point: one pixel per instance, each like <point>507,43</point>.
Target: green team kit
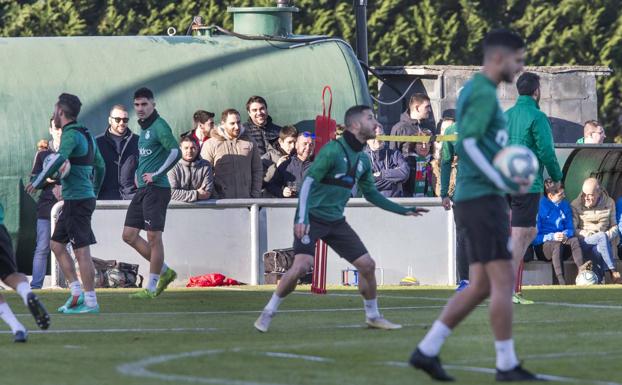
<point>325,192</point>
<point>159,152</point>
<point>80,186</point>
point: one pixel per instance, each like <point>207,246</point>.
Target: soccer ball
<point>586,278</point>
<point>62,172</point>
<point>517,163</point>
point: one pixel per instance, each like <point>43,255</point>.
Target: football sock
<point>164,268</point>
<point>433,341</point>
<point>371,308</point>
<point>273,304</point>
<point>7,316</point>
<point>75,288</point>
<point>90,299</point>
<point>23,289</point>
<point>153,282</point>
<point>506,356</point>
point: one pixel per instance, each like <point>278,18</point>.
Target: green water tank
<point>603,162</point>
<point>212,72</point>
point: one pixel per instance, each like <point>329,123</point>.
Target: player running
<point>18,282</point>
<point>325,191</point>
<point>482,212</point>
<point>159,152</point>
<point>80,190</point>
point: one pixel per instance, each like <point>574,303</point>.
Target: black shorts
<point>7,256</point>
<point>525,209</point>
<point>485,223</point>
<point>147,210</point>
<point>74,223</point>
<point>338,235</point>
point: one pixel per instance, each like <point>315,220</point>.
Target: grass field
<point>206,337</point>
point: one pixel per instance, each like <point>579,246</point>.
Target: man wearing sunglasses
<point>119,147</point>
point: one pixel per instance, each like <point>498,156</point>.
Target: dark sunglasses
<point>307,134</point>
<point>118,120</point>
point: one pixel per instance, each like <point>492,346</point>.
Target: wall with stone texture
<point>568,94</point>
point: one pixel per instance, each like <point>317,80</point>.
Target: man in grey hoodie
<point>411,122</point>
<point>192,178</point>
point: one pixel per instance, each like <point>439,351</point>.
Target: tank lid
<point>263,21</point>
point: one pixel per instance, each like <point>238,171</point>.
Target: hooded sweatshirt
<point>238,172</point>
<point>406,126</point>
<point>187,177</point>
<point>393,171</point>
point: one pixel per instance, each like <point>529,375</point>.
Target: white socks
<point>153,282</point>
<point>274,303</point>
<point>90,299</point>
<point>371,308</point>
<point>164,268</point>
<point>506,356</point>
<point>23,289</point>
<point>433,341</point>
<point>75,288</point>
<point>7,316</point>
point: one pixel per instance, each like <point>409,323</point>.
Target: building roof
<point>422,70</point>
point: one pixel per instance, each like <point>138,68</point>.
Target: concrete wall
<point>568,94</point>
<point>218,237</point>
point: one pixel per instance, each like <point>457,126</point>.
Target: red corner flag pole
<point>325,129</point>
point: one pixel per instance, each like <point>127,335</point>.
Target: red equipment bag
<point>325,127</point>
<point>211,280</point>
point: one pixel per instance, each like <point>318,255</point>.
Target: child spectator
<point>422,181</point>
<point>556,229</point>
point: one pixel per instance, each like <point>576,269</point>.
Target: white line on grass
<point>475,369</point>
<point>140,368</point>
<point>548,356</point>
<point>131,330</point>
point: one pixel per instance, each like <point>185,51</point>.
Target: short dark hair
<point>418,99</point>
<point>188,138</point>
<point>288,132</point>
<point>528,83</point>
<point>227,112</point>
<point>143,92</point>
<point>201,116</point>
<point>70,105</point>
<point>503,38</point>
<point>255,99</point>
<point>550,187</point>
<point>352,112</point>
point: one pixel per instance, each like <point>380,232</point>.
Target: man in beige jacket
<point>238,172</point>
<point>594,217</point>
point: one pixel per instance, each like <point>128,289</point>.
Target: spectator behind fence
<point>411,120</point>
<point>594,218</point>
<point>339,129</point>
<point>259,126</point>
<point>234,155</point>
<point>388,166</point>
<point>119,147</point>
<point>203,124</point>
<point>593,133</point>
<point>289,175</point>
<point>556,230</point>
<point>421,182</point>
<point>50,194</point>
<point>444,129</point>
<point>192,178</point>
<point>279,151</point>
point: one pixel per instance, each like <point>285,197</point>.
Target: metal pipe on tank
<point>282,3</point>
<point>360,11</point>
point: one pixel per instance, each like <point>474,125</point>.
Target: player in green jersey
<point>80,188</point>
<point>481,210</point>
<point>325,191</point>
<point>159,152</point>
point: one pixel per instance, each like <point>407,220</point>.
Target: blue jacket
<point>553,218</point>
<point>619,215</point>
